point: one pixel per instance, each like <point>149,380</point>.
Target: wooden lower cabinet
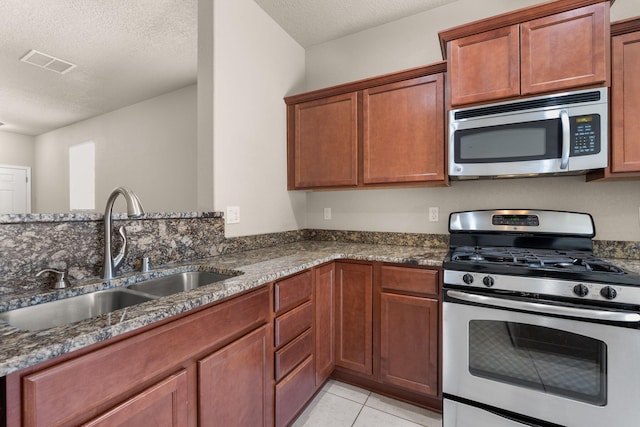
<point>354,317</point>
<point>294,392</point>
<point>388,330</point>
<point>324,322</point>
<point>154,372</point>
<point>234,386</point>
<point>164,404</point>
<point>294,372</point>
<point>408,342</point>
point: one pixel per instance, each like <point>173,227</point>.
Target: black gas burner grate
<point>578,261</point>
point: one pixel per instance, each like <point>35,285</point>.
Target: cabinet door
<point>625,107</point>
<point>324,322</point>
<point>326,142</point>
<point>234,383</point>
<point>485,66</point>
<point>354,312</point>
<point>409,342</point>
<point>565,50</point>
<point>164,404</point>
<point>403,132</point>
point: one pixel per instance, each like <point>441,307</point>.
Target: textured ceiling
<point>127,51</point>
<point>311,22</point>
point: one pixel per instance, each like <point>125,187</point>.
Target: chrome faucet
<point>134,210</point>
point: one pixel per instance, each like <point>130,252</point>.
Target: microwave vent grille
<point>573,98</point>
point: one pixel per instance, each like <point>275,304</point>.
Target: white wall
<point>150,147</point>
<point>413,42</point>
<point>255,64</point>
<point>16,149</point>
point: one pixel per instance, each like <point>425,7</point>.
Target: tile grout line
<point>359,412</point>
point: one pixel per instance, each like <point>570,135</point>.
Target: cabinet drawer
<point>101,377</point>
<point>294,391</point>
<point>292,291</point>
<point>406,279</point>
<point>289,356</point>
<point>291,324</point>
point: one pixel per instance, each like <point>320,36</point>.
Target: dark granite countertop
<point>20,349</point>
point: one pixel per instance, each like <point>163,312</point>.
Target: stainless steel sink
<point>70,310</point>
<point>178,282</point>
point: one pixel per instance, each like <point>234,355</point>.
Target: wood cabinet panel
<point>414,280</point>
<point>234,383</point>
<point>485,66</point>
<point>289,356</point>
<point>354,317</point>
<point>292,291</point>
<point>325,139</point>
<point>565,50</point>
<point>409,342</point>
<point>164,404</point>
<point>403,131</point>
<point>293,393</point>
<point>324,302</point>
<point>148,355</point>
<point>625,103</point>
<point>293,323</point>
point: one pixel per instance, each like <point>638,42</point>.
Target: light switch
<point>327,213</point>
<point>433,214</point>
<point>233,214</point>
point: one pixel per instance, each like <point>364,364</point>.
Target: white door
<point>15,189</point>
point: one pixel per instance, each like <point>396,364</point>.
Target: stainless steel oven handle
<point>566,138</point>
<point>584,313</point>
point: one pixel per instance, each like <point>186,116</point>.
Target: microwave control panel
<point>585,135</point>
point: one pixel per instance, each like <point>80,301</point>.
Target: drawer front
<point>291,292</point>
<point>100,377</point>
<point>294,391</point>
<point>291,324</point>
<point>417,280</point>
<point>289,356</point>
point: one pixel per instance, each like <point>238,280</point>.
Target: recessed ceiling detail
<point>48,62</point>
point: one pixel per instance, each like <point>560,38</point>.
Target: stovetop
<point>550,259</point>
<point>533,251</point>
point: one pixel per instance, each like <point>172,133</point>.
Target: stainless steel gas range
<point>537,331</point>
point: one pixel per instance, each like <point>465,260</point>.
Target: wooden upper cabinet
<point>326,142</point>
<point>625,102</point>
<point>403,137</point>
<point>565,50</point>
<point>485,66</point>
<point>382,131</point>
<point>549,47</point>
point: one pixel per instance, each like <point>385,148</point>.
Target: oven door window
<point>536,140</point>
<point>549,360</point>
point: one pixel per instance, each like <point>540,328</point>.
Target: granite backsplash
<point>74,242</point>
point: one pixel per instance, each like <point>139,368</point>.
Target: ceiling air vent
<point>49,62</point>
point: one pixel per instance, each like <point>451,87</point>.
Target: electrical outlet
<point>327,213</point>
<point>233,214</point>
<point>433,214</point>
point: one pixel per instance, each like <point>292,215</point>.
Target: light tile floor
<point>343,405</point>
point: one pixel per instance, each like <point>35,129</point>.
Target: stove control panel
<point>543,286</point>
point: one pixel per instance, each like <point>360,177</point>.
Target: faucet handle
<point>61,277</point>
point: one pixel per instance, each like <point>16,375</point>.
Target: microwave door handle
<point>536,307</point>
<point>566,138</point>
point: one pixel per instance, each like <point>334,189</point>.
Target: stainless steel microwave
<point>564,133</point>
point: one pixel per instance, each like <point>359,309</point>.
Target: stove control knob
<point>467,278</point>
<point>488,281</point>
<point>608,292</point>
<point>580,290</point>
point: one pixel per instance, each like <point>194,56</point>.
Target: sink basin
<point>70,310</point>
<point>178,282</point>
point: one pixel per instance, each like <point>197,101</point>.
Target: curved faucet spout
<point>134,210</point>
